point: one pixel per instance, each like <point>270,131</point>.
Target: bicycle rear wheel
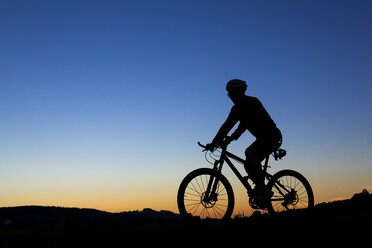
<point>291,191</point>
<point>193,202</point>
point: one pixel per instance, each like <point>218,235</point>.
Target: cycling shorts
<point>263,147</point>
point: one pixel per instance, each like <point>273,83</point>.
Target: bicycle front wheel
<point>291,191</point>
<point>193,201</point>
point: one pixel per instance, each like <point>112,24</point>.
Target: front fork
<point>211,192</point>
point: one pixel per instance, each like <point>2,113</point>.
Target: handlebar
<point>222,145</point>
<point>203,146</point>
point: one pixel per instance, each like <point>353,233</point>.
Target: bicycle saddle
<point>279,154</point>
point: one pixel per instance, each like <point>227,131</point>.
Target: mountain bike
<point>207,194</point>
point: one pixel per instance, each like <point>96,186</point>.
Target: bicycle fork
<point>211,192</point>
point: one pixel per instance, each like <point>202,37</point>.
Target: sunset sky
<point>102,102</point>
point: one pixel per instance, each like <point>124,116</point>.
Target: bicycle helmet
<point>236,84</point>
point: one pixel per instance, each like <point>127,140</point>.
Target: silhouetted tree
<point>362,202</point>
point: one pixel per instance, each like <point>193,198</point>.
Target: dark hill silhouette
<point>335,224</point>
<point>360,203</point>
<point>41,215</point>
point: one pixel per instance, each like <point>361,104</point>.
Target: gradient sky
<point>102,102</point>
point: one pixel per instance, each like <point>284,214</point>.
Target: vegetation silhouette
<point>359,203</point>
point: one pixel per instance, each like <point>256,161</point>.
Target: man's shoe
<point>261,191</point>
<point>262,195</point>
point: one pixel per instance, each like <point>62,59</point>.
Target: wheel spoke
<point>289,192</point>
<point>214,205</point>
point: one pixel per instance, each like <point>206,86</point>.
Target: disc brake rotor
<point>208,203</point>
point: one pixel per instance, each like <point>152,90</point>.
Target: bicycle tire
<point>291,191</point>
<point>190,195</point>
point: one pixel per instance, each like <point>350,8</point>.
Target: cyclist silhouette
<point>252,116</point>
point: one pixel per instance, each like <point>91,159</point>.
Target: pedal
<point>257,202</point>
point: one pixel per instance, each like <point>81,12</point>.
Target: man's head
<point>236,89</point>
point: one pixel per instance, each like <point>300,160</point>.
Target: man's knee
<point>251,164</point>
<point>253,168</point>
<point>252,161</point>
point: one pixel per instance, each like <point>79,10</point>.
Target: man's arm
<point>225,128</point>
<point>238,132</point>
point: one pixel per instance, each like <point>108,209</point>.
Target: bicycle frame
<point>283,191</point>
<point>225,155</point>
<point>207,193</point>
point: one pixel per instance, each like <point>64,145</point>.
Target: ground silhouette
<point>40,215</point>
<point>332,224</point>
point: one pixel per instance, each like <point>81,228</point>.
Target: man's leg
<point>253,164</point>
<point>254,169</point>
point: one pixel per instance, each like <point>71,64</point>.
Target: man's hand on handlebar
<point>211,147</point>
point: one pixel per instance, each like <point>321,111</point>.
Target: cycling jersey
<point>252,116</point>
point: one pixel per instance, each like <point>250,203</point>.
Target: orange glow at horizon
<point>156,197</point>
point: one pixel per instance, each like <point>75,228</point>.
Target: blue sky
<point>102,102</point>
